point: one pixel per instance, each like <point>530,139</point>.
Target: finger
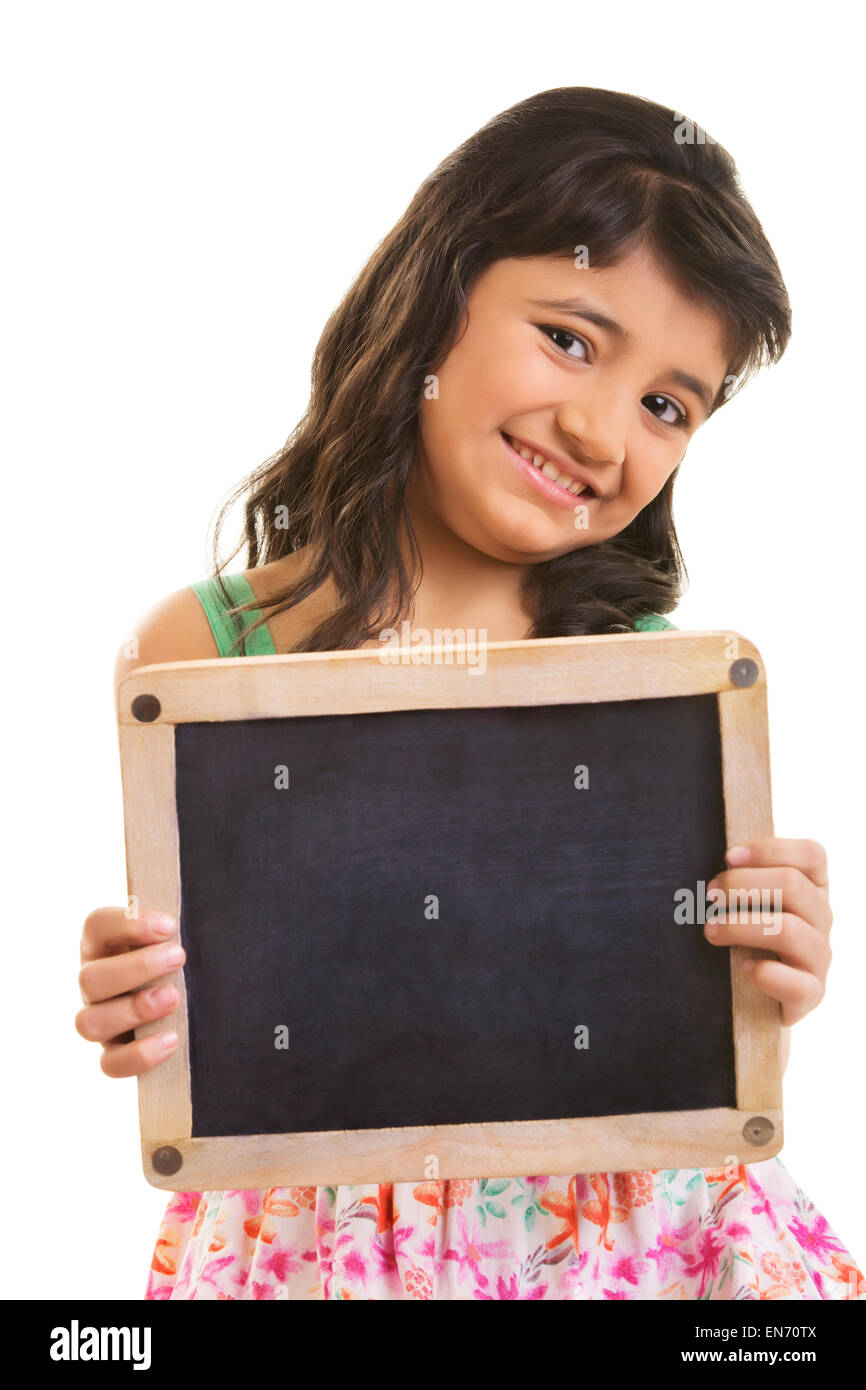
<point>102,979</point>
<point>107,1022</point>
<point>798,944</point>
<point>108,930</point>
<point>778,889</point>
<point>797,991</point>
<point>808,856</point>
<point>135,1058</point>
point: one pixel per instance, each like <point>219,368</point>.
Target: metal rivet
<point>166,1160</point>
<point>758,1130</point>
<point>146,708</point>
<point>744,671</point>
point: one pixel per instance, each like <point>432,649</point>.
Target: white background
<point>189,190</point>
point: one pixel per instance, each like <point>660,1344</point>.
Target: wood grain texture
<point>632,1143</point>
<point>749,816</point>
<point>153,877</point>
<point>633,666</point>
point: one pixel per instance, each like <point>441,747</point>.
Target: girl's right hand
<point>120,957</point>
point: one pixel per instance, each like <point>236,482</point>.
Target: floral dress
<point>738,1233</point>
<point>748,1233</point>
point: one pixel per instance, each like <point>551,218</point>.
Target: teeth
<point>549,469</point>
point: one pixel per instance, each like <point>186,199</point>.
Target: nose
<point>596,431</point>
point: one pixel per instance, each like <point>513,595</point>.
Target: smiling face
<point>611,408</point>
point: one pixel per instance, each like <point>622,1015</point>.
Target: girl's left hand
<point>798,932</point>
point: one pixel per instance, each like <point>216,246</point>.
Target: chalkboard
<point>457,920</point>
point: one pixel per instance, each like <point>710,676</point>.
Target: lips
<point>564,465</point>
<point>554,492</point>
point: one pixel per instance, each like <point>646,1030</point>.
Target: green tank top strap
<point>654,622</point>
<point>225,629</point>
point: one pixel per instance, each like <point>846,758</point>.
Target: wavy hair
<point>568,167</point>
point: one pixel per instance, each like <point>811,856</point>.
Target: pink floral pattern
<point>747,1233</point>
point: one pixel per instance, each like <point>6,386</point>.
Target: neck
<point>460,586</point>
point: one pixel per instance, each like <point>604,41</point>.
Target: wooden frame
<point>152,700</point>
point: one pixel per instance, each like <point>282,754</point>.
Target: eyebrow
<point>580,308</point>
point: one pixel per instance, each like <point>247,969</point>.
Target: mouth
<point>550,479</point>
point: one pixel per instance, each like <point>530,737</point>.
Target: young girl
<point>499,408</point>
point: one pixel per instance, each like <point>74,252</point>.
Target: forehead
<point>638,294</point>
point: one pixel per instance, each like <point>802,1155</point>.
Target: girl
<point>499,409</point>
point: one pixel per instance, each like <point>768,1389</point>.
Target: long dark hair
<point>568,167</point>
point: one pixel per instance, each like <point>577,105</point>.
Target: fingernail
<point>164,994</point>
<point>160,922</point>
<point>167,1041</point>
<point>171,955</point>
<point>738,854</point>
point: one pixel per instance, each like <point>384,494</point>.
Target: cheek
<point>648,472</point>
<point>488,379</point>
<point>524,381</point>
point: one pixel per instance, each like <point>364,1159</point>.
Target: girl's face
<point>609,393</point>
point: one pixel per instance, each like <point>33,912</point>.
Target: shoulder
<point>176,628</point>
<point>268,583</point>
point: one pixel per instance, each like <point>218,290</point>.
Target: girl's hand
<point>121,955</point>
<point>796,918</point>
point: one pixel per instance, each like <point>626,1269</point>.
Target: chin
<point>513,544</point>
<point>523,534</point>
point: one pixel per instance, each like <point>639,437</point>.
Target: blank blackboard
<point>431,922</point>
<point>304,906</point>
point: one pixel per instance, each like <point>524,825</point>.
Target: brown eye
<point>680,419</point>
<point>554,333</point>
